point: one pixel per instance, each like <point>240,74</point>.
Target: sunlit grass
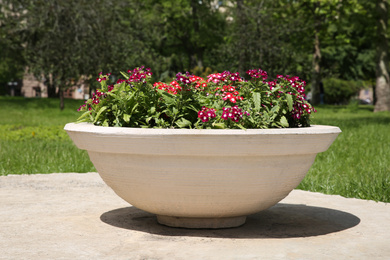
<point>357,163</point>
<point>42,156</point>
<point>36,112</point>
<point>32,139</point>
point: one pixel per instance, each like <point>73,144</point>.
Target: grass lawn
<point>32,140</point>
<point>357,164</point>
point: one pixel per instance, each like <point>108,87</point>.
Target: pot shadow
<point>280,221</point>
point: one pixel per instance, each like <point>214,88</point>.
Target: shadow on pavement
<point>280,221</point>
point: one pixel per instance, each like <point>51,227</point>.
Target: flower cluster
<point>139,74</point>
<point>223,77</point>
<point>199,82</point>
<point>96,96</point>
<point>171,88</point>
<point>258,73</point>
<point>188,101</point>
<point>234,113</point>
<point>206,114</point>
<point>183,77</point>
<point>102,77</point>
<point>230,93</point>
<point>83,107</point>
<point>299,108</point>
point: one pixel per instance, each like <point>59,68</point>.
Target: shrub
<point>338,91</point>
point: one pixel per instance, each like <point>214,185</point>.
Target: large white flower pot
<point>202,178</point>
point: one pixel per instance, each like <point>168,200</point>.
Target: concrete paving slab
<point>76,216</point>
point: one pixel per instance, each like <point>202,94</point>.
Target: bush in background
<point>338,91</point>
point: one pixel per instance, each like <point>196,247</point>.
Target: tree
<point>319,14</point>
<point>12,60</point>
<point>348,51</point>
<point>382,89</point>
<point>336,45</point>
<point>64,40</point>
<point>242,41</point>
<point>186,30</point>
<point>264,34</point>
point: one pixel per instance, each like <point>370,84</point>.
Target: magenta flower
<point>234,113</point>
<point>259,73</point>
<point>206,114</point>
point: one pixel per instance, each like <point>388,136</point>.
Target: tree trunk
<point>51,90</point>
<point>197,52</point>
<point>62,104</point>
<point>382,89</point>
<point>316,75</point>
<point>242,38</point>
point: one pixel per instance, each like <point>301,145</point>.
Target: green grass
<point>357,164</point>
<point>32,140</point>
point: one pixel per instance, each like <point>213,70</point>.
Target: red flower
<point>206,114</point>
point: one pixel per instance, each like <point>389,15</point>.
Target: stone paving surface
<point>76,216</point>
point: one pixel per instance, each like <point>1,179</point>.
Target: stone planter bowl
<point>202,178</point>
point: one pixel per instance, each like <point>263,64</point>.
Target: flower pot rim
<point>102,130</point>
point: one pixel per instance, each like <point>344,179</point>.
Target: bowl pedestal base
<point>184,222</point>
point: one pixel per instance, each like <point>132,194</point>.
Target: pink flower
<point>234,113</point>
<point>206,114</point>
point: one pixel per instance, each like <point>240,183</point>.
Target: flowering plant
<point>223,100</point>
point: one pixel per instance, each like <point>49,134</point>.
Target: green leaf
<point>284,122</point>
<point>193,108</point>
<point>152,110</point>
<point>240,126</point>
<point>125,75</point>
<point>275,109</point>
<point>275,89</point>
<point>81,118</point>
<point>257,100</point>
<point>175,110</point>
<point>126,118</point>
<point>99,113</point>
<point>219,125</point>
<point>147,120</point>
<point>289,102</point>
<point>168,98</point>
<point>183,123</point>
<point>134,107</point>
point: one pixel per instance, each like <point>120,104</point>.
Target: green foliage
<point>64,40</point>
<point>223,101</point>
<point>265,34</point>
<point>182,34</point>
<point>348,42</point>
<point>12,60</point>
<point>61,40</point>
<point>338,91</point>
